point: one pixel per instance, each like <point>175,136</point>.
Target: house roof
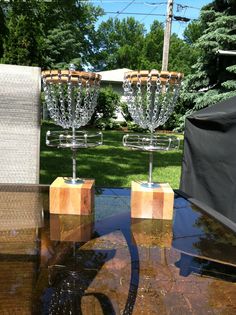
<point>116,75</point>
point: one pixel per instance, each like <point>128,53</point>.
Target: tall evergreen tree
<point>182,55</point>
<point>214,75</point>
<point>62,47</point>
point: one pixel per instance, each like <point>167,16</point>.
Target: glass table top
<point>108,263</point>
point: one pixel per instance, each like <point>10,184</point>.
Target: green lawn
<point>111,164</point>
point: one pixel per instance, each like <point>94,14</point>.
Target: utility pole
<point>166,45</point>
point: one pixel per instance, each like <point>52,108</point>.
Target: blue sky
<point>140,9</point>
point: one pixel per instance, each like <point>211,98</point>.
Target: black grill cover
<point>209,161</point>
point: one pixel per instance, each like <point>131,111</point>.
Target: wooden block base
<point>72,199</point>
<point>152,203</point>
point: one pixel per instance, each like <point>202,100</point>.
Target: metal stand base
<point>150,185</point>
<point>73,181</point>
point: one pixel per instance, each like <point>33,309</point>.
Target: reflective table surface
<point>109,263</point>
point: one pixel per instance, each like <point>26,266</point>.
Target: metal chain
<point>62,101</point>
<point>69,101</point>
<point>150,106</point>
<point>139,113</point>
<point>78,106</point>
<point>149,100</point>
<point>53,100</point>
<point>157,101</point>
<point>71,104</point>
<point>165,101</point>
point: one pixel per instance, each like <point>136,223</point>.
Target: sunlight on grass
<point>111,164</point>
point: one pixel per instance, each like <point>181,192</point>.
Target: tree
<point>21,44</point>
<point>48,33</point>
<point>71,36</point>
<point>107,104</point>
<point>152,48</point>
<point>119,44</point>
<point>61,48</point>
<point>192,32</point>
<point>2,30</point>
<point>127,44</point>
<point>105,112</point>
<point>214,75</point>
<point>182,56</point>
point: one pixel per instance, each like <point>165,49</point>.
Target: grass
<point>111,164</point>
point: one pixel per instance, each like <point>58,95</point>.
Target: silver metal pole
<point>73,68</point>
<point>74,165</point>
<point>73,156</point>
<point>150,169</point>
<point>150,163</point>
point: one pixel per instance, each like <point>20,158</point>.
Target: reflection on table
<point>109,263</point>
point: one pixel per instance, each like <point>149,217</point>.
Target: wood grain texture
<point>72,199</point>
<point>143,76</point>
<point>152,203</point>
<point>74,77</point>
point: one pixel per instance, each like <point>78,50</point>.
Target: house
<point>114,79</point>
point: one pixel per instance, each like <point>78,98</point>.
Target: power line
<point>184,6</point>
<point>134,13</point>
<point>147,14</point>
<point>117,1</point>
<point>179,5</point>
<point>129,4</point>
<point>154,3</point>
<point>184,19</point>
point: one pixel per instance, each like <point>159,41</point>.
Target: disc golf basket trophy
<point>71,97</point>
<point>151,97</point>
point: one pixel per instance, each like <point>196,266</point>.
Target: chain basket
<point>151,97</point>
<point>71,98</point>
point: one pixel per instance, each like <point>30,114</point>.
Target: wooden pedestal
<point>152,203</point>
<point>72,199</point>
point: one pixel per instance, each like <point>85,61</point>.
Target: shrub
<point>125,111</point>
<point>134,127</point>
<point>107,103</point>
<point>107,124</point>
